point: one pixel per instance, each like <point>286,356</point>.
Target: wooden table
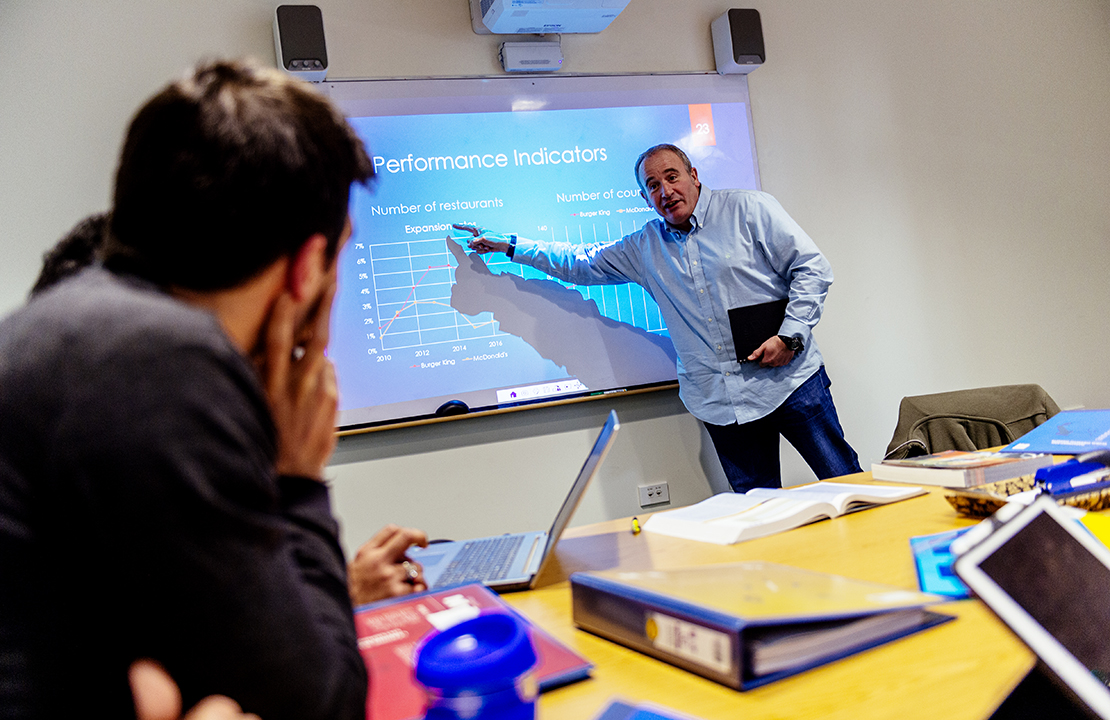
<point>962,669</point>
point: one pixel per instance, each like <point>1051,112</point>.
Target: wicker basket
<point>984,500</point>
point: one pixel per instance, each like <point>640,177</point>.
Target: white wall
<point>951,158</point>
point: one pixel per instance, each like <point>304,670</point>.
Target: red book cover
<point>389,631</point>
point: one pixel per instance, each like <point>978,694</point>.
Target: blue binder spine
<point>694,638</point>
<point>702,640</point>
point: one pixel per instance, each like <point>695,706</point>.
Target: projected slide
<point>419,320</point>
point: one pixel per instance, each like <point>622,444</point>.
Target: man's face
<point>669,188</point>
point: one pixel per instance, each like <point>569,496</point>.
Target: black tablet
<point>1048,579</point>
<point>753,325</point>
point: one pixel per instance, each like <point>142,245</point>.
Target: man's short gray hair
<point>655,150</point>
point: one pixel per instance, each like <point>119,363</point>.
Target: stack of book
<point>959,468</point>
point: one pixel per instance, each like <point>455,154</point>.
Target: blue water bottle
<point>481,669</point>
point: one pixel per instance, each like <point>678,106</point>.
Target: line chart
<point>413,280</point>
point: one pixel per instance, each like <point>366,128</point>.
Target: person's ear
<point>308,268</point>
<point>694,174</point>
<point>645,197</point>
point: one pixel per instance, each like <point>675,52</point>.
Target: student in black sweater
<point>165,420</point>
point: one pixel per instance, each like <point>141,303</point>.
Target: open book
<point>730,517</point>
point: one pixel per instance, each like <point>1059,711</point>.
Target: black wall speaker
<point>299,41</point>
<point>738,41</point>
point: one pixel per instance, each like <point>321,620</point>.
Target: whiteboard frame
<point>511,93</point>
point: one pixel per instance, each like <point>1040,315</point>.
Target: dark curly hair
<point>227,170</point>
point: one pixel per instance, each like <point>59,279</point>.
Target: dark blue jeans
<point>749,453</point>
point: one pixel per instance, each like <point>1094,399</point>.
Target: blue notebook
<point>932,554</point>
<point>1070,432</point>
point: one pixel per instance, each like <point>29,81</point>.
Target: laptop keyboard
<point>487,559</point>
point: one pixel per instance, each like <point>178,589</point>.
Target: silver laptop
<point>511,562</point>
<point>1048,579</point>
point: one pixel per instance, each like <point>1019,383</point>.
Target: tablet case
<point>754,325</point>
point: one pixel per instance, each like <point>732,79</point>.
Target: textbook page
<point>729,518</point>
<point>844,497</point>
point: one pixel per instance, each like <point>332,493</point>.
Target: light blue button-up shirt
<point>743,249</point>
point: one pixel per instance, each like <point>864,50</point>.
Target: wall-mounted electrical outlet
<point>654,494</point>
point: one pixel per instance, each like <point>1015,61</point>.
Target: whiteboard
<point>419,322</point>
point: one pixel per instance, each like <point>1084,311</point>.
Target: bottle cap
<point>482,655</point>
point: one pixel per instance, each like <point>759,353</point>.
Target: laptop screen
<point>570,504</point>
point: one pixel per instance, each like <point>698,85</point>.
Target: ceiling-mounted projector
<point>515,17</point>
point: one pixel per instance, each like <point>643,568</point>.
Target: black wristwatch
<point>794,344</point>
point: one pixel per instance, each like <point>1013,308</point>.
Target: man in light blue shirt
<point>712,252</point>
